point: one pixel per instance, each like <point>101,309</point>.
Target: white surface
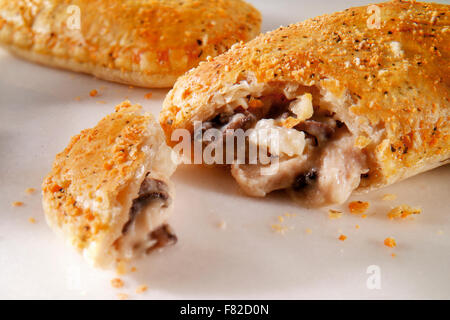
<point>38,115</point>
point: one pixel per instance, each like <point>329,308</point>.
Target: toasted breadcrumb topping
<point>117,283</point>
<point>17,204</point>
<point>390,242</point>
<point>403,211</point>
<point>357,207</point>
<point>141,289</point>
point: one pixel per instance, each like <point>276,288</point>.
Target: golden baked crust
<point>142,42</point>
<point>395,81</point>
<point>88,193</point>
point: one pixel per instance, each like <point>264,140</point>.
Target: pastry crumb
<point>390,242</point>
<point>357,226</point>
<point>30,190</point>
<point>308,231</point>
<point>133,269</point>
<point>142,288</point>
<point>121,268</point>
<point>364,216</point>
<point>290,215</point>
<point>148,96</point>
<point>278,228</point>
<point>101,102</point>
<point>342,237</point>
<point>117,283</point>
<point>280,218</point>
<point>17,204</point>
<point>440,232</point>
<point>122,296</point>
<point>389,197</point>
<point>393,255</point>
<point>77,98</point>
<point>334,214</point>
<point>93,93</point>
<point>32,220</point>
<point>403,211</point>
<point>222,225</point>
<point>357,207</point>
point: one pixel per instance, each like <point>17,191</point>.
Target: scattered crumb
<point>280,218</point>
<point>148,95</point>
<point>357,226</point>
<point>77,98</point>
<point>390,242</point>
<point>334,214</point>
<point>133,269</point>
<point>142,288</point>
<point>93,93</point>
<point>121,268</point>
<point>290,215</point>
<point>403,212</point>
<point>440,232</point>
<point>101,102</point>
<point>357,207</point>
<point>117,283</point>
<point>32,220</point>
<point>342,237</point>
<point>122,296</point>
<point>222,225</point>
<point>130,87</point>
<point>308,231</point>
<point>30,190</point>
<point>279,228</point>
<point>17,204</point>
<point>389,197</point>
<point>364,216</point>
<point>393,255</point>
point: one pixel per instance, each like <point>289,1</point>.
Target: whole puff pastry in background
<point>146,43</point>
<point>109,192</point>
<point>358,106</point>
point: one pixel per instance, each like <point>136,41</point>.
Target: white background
<point>39,114</point>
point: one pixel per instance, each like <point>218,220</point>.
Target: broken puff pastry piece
<point>109,192</point>
<point>356,106</point>
<point>146,43</point>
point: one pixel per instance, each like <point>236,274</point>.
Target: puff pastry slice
<point>146,43</point>
<point>109,192</point>
<point>357,106</point>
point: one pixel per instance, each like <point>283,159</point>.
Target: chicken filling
<point>316,157</point>
<point>146,230</point>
